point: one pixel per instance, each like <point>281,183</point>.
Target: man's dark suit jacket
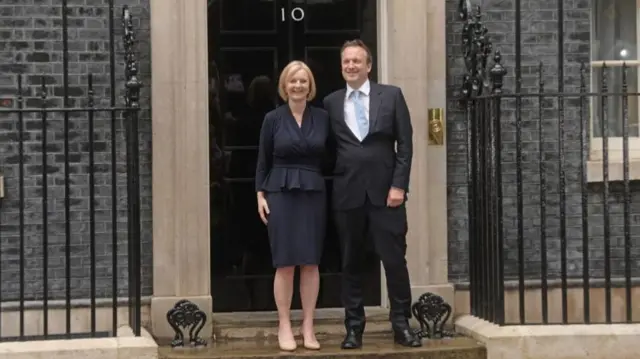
<point>382,160</point>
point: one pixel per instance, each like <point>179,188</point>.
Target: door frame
<point>180,166</point>
<point>382,21</point>
<point>180,169</point>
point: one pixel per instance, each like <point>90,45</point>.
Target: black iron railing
<point>61,160</point>
<point>548,186</point>
<point>132,97</point>
<point>558,226</point>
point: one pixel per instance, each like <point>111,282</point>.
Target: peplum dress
<point>289,172</point>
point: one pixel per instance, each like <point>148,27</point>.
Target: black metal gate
<point>70,180</point>
<point>545,210</point>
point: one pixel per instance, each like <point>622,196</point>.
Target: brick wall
<point>539,43</point>
<point>31,44</point>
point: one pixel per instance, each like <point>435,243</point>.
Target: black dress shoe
<point>353,340</point>
<point>407,338</point>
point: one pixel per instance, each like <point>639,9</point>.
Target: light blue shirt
<point>350,111</point>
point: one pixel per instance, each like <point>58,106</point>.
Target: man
<point>372,132</point>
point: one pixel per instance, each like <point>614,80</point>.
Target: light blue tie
<point>361,115</point>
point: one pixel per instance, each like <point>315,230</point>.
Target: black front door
<point>250,42</point>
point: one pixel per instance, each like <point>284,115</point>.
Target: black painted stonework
<point>539,43</point>
<point>31,43</point>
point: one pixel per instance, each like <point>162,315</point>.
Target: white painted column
<point>181,231</point>
<point>413,57</point>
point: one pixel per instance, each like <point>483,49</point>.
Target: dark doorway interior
<point>250,42</point>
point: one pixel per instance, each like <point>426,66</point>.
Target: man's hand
<point>395,197</point>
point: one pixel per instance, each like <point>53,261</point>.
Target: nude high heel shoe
<point>287,345</point>
<point>314,345</point>
<point>311,346</point>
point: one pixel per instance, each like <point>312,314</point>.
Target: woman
<point>291,196</point>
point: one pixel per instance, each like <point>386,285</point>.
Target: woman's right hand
<point>263,207</point>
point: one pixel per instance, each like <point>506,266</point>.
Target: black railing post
<point>497,73</point>
<point>627,194</point>
<point>45,208</point>
<point>483,232</point>
<point>604,123</point>
<point>561,165</point>
<point>133,86</point>
<point>67,165</point>
<point>542,172</point>
<point>519,184</point>
<point>92,206</point>
<point>584,192</point>
<point>21,221</point>
<point>114,174</point>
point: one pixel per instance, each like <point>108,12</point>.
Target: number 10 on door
<point>297,14</point>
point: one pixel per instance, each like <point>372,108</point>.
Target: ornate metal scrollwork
<point>186,314</point>
<point>133,84</point>
<point>432,312</point>
<point>476,49</point>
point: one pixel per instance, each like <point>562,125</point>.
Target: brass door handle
<point>436,126</point>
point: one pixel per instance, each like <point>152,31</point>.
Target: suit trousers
<point>387,228</point>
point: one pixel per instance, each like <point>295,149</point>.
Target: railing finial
<point>497,74</point>
<point>133,83</point>
<point>477,48</point>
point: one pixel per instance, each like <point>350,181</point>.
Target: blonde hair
<point>288,72</point>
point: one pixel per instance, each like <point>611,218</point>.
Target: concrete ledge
<point>595,341</point>
<point>124,346</point>
<point>616,170</point>
<point>575,300</point>
<point>80,317</point>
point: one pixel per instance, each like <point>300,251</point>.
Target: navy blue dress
<point>289,172</point>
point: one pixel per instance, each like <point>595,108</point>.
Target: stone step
<point>376,346</point>
<point>264,325</point>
